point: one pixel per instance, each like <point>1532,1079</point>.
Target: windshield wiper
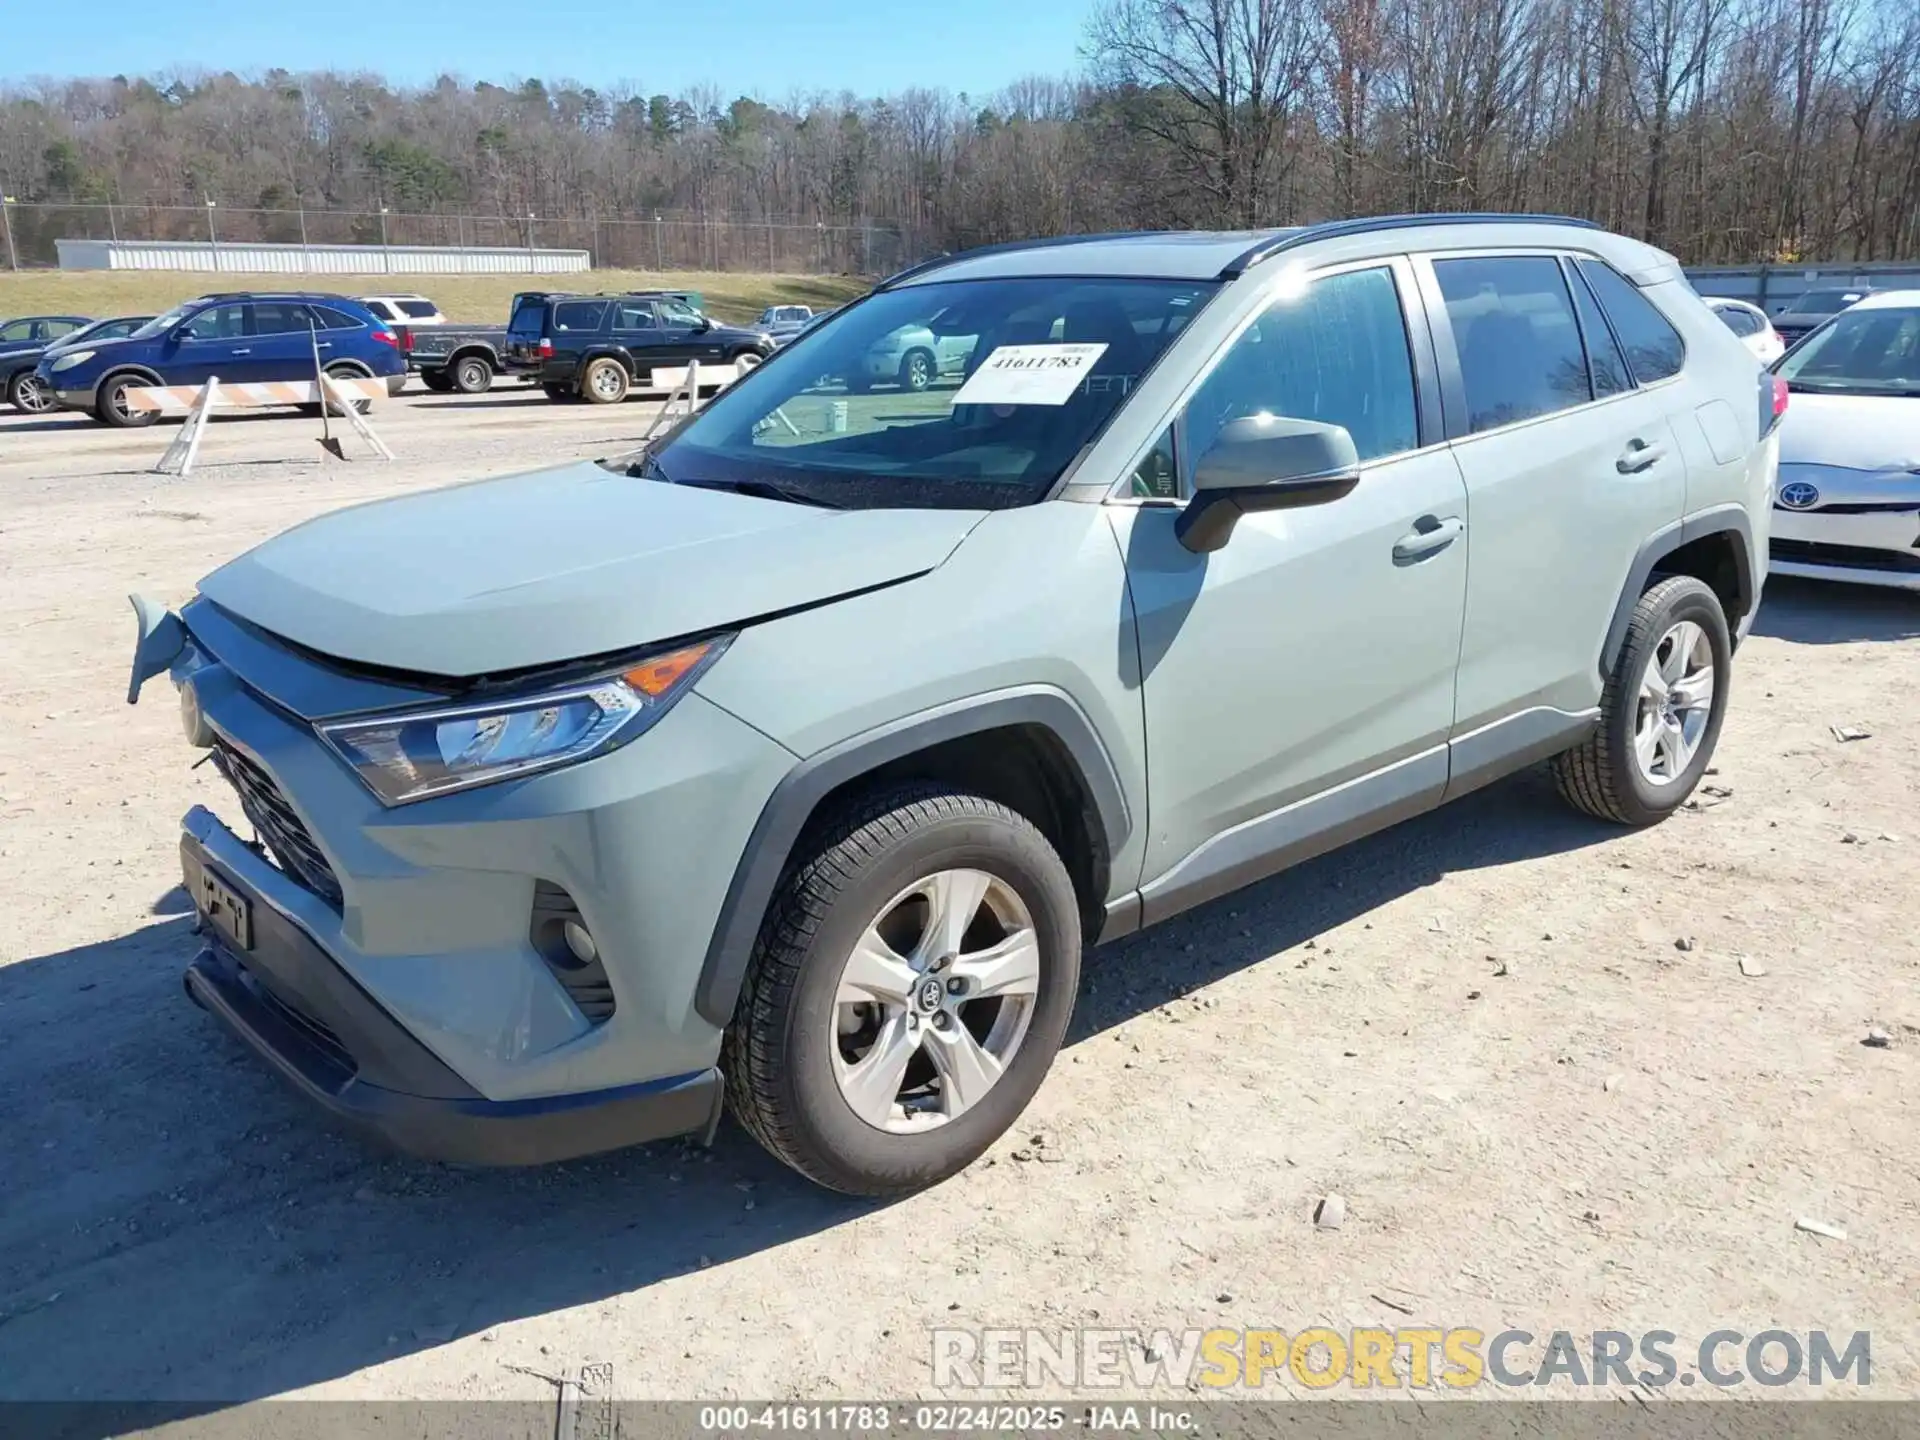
<point>760,489</point>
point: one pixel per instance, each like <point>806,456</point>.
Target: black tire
<point>1601,775</point>
<point>472,375</point>
<point>778,1054</point>
<point>27,395</point>
<point>110,406</point>
<point>561,394</point>
<point>605,381</point>
<point>917,369</point>
<point>345,372</point>
<point>438,381</point>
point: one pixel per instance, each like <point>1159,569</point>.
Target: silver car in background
<point>1848,504</point>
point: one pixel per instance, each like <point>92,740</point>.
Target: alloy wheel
<point>935,1001</point>
<point>1676,701</point>
<point>31,396</point>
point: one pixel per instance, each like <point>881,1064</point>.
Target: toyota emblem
<point>1799,495</point>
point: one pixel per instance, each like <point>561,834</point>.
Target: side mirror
<point>704,323</point>
<point>1265,462</point>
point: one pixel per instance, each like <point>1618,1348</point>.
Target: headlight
<point>71,359</point>
<point>411,756</point>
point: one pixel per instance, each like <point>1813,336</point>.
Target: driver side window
<point>222,322</point>
<point>1336,353</point>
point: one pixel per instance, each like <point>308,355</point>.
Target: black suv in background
<point>600,347</point>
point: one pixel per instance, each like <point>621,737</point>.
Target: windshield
<point>160,324</point>
<point>967,395</point>
<point>1862,352</point>
<point>1824,302</point>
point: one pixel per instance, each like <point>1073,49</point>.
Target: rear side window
<point>1336,353</point>
<point>278,317</point>
<point>419,309</point>
<point>634,315</point>
<point>1518,341</point>
<point>579,314</point>
<point>17,330</point>
<point>1654,348</point>
<point>1604,360</point>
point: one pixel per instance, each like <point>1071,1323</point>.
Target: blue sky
<point>760,47</point>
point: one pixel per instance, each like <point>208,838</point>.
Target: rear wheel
<point>605,381</point>
<point>910,986</point>
<point>27,395</point>
<point>348,372</point>
<point>1661,712</point>
<point>473,375</point>
<point>110,404</point>
<point>437,381</point>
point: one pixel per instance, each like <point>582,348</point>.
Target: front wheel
<point>910,986</point>
<point>1661,712</point>
<point>560,394</point>
<point>110,404</point>
<point>916,370</point>
<point>27,395</point>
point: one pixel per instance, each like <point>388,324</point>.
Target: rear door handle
<point>1429,536</point>
<point>242,351</point>
<point>1639,455</point>
<point>324,345</point>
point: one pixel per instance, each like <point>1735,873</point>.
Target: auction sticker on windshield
<point>1029,375</point>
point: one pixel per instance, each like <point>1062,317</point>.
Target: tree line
<point>1723,130</point>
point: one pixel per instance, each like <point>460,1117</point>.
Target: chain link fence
<point>653,242</point>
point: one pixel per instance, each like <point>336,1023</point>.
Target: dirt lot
<point>1522,1046</point>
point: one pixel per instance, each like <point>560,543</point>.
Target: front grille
<point>1858,557</point>
<point>287,839</point>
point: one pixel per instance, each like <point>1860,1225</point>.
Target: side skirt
<point>1283,838</point>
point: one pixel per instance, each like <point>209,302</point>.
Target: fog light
<point>580,942</point>
<point>199,732</point>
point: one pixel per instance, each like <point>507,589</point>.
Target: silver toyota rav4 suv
<point>789,764</point>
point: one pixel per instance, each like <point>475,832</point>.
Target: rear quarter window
<point>331,319</point>
<point>570,315</point>
<point>1654,348</point>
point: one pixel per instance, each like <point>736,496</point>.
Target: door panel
<point>283,346</point>
<point>214,343</point>
<point>1562,489</point>
<point>1299,656</point>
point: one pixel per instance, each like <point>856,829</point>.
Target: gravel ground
<point>1564,1077</point>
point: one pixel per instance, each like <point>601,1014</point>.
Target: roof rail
<point>1007,247</point>
<point>1285,240</point>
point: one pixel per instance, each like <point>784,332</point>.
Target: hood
<point>1852,432</point>
<point>560,565</point>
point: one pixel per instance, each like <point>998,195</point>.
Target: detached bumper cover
<point>303,1015</point>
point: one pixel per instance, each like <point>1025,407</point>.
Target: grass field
<point>479,299</point>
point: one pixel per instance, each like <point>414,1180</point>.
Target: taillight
<point>385,337</point>
<point>1773,401</point>
<point>403,336</point>
<point>546,348</point>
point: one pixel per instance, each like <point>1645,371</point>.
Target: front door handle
<point>244,350</point>
<point>1429,536</point>
<point>1639,455</point>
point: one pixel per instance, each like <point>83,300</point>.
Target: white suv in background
<point>1750,323</point>
<point>412,310</point>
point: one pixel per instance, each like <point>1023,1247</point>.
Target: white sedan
<point>1750,323</point>
<point>1848,502</point>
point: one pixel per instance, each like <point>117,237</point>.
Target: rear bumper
<point>305,1017</point>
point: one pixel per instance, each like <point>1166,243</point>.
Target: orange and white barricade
<point>197,402</point>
